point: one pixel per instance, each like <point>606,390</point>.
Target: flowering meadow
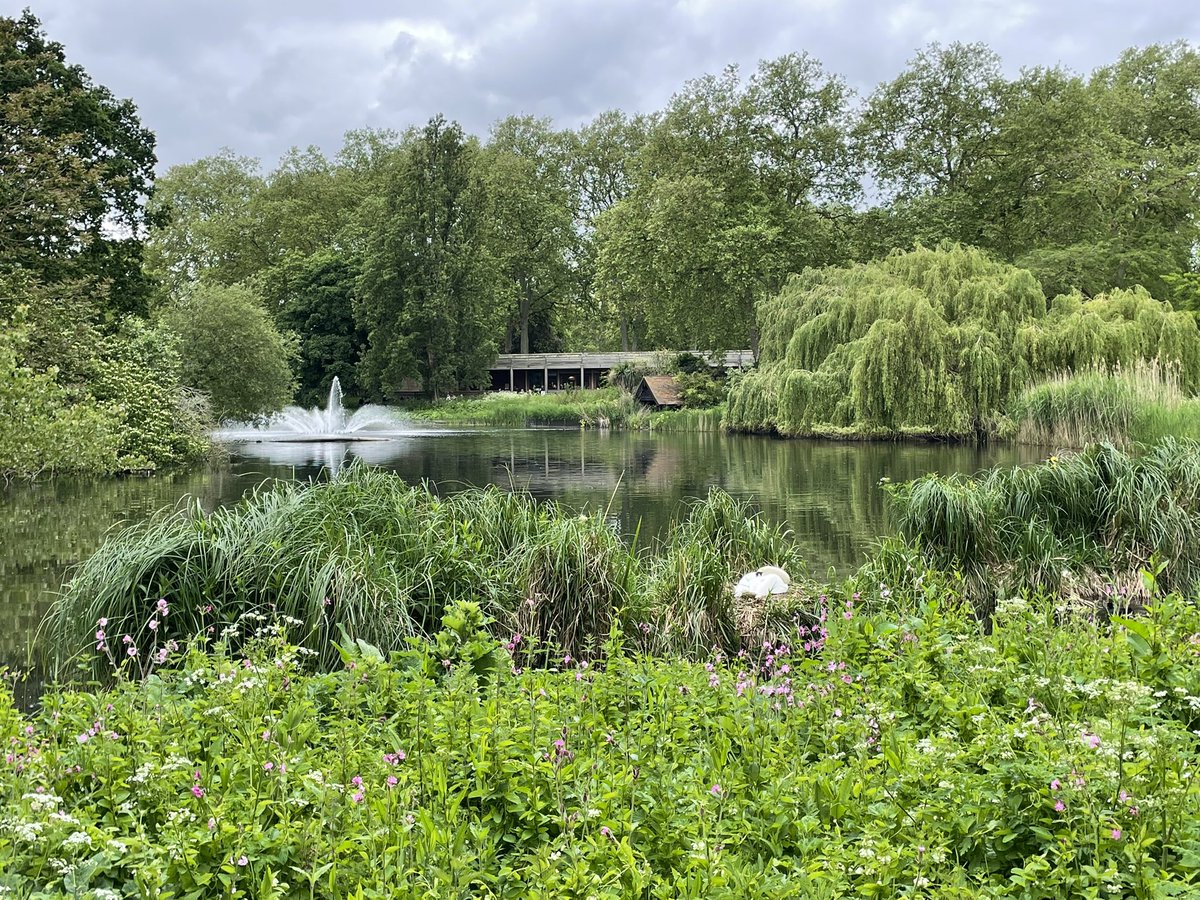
<point>892,747</point>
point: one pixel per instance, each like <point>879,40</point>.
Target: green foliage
<point>427,294</point>
<point>897,749</point>
<point>700,390</point>
<point>936,342</point>
<point>316,303</point>
<point>231,351</point>
<point>1123,406</point>
<point>76,168</point>
<point>1072,527</point>
<point>138,376</point>
<point>41,430</point>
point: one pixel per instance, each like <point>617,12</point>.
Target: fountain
<point>316,425</point>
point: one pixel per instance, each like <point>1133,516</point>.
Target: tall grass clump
<point>505,409</point>
<point>365,554</point>
<point>688,601</point>
<point>1137,403</point>
<point>1083,525</point>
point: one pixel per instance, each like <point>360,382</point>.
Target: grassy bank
<point>895,751</point>
<point>588,408</point>
<point>1081,526</point>
<point>1141,403</point>
<point>599,408</point>
<point>371,555</point>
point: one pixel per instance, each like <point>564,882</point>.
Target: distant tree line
<point>409,258</point>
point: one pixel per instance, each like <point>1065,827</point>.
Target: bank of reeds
<point>1139,403</point>
<point>687,604</point>
<point>602,407</point>
<point>369,555</point>
<point>1080,526</point>
<point>690,420</point>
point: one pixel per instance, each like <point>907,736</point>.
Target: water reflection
<point>827,492</point>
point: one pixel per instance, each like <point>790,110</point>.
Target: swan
<point>763,582</point>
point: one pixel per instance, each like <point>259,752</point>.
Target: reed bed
<point>376,559</point>
<point>1081,526</point>
<point>1124,405</point>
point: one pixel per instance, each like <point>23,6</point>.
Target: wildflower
<point>1059,806</point>
<point>357,797</point>
<point>268,766</point>
<point>356,781</point>
<point>161,607</point>
<point>1116,834</point>
<point>212,823</point>
<point>101,622</point>
<point>266,735</point>
<point>716,790</point>
<point>152,624</point>
<point>197,791</point>
<point>132,651</point>
<point>242,861</point>
<point>605,831</point>
<point>1055,785</point>
<point>391,781</point>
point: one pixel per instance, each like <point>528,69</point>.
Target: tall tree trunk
<point>624,333</point>
<point>526,304</point>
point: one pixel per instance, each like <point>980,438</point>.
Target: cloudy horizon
<point>261,78</point>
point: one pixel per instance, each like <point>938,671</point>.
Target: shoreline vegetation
<point>357,685</point>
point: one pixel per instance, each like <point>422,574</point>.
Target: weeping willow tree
<point>936,342</point>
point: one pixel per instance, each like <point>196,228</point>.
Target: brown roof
<point>663,390</point>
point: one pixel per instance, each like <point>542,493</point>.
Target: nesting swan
<point>763,582</point>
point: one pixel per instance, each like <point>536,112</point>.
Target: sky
<point>262,76</point>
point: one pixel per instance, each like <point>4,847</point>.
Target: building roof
<point>662,390</point>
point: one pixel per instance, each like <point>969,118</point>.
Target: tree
<point>925,131</point>
<point>736,187</point>
<point>76,170</point>
<point>428,289</point>
<point>210,228</point>
<point>231,350</point>
<point>531,227</point>
<point>317,304</point>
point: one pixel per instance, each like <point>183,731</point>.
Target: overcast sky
<point>262,76</point>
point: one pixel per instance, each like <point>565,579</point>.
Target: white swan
<point>763,582</point>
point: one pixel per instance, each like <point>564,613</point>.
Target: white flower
<point>78,839</point>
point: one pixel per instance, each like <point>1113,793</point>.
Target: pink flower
<point>197,791</point>
<point>132,651</point>
<point>161,607</point>
<point>102,622</point>
<point>266,735</point>
<point>391,781</point>
<point>1055,785</point>
<point>716,790</point>
<point>152,624</point>
<point>212,823</point>
<point>242,861</point>
<point>1116,834</point>
<point>357,797</point>
<point>1059,806</point>
<point>268,766</point>
<point>605,831</point>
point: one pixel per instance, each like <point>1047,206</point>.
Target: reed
<point>377,559</point>
<point>1137,403</point>
<point>1073,526</point>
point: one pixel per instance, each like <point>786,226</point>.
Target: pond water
<point>827,492</point>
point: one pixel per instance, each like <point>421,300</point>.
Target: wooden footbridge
<point>556,371</point>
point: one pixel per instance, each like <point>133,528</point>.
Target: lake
<point>827,492</point>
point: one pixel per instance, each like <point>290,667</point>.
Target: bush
<point>231,350</point>
<point>41,429</point>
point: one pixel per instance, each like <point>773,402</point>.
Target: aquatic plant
<point>1138,403</point>
<point>1080,524</point>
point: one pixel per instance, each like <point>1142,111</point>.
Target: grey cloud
<point>260,77</point>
